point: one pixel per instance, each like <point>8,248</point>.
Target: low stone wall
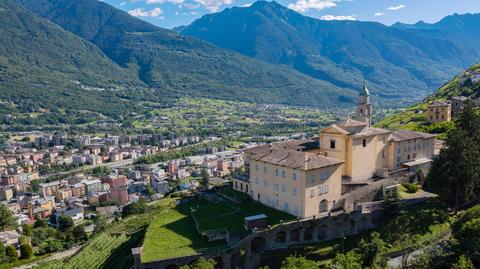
<point>247,252</point>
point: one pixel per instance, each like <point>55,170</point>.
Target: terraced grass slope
<point>173,234</point>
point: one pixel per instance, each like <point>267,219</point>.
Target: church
<point>310,177</point>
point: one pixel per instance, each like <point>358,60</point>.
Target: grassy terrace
<point>172,232</point>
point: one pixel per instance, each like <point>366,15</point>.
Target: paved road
<point>56,256</point>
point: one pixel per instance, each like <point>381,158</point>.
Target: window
<point>276,172</point>
<point>414,155</point>
<point>286,207</point>
<point>312,179</point>
<point>294,191</point>
<point>383,154</point>
<point>323,189</point>
<point>312,193</point>
<point>332,144</point>
<point>256,167</point>
<point>294,176</point>
<point>283,188</point>
<point>276,187</point>
<point>256,180</point>
<point>283,174</point>
<point>265,169</point>
<point>364,142</point>
<point>408,157</point>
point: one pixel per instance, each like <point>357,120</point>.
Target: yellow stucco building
<point>439,111</point>
<point>305,177</point>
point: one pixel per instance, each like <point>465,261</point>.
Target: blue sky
<point>171,13</point>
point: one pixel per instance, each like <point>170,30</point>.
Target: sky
<point>172,13</point>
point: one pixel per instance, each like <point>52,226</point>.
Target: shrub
<point>26,251</point>
<point>411,187</point>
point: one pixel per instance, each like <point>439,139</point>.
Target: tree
<point>201,263</point>
<point>3,255</point>
<point>26,251</point>
<point>463,263</point>
<point>65,223</point>
<point>372,252</point>
<point>41,223</point>
<point>135,208</point>
<point>466,230</point>
<point>27,229</point>
<point>11,254</point>
<point>350,260</point>
<point>205,178</point>
<point>80,234</point>
<point>6,218</point>
<point>299,262</point>
<point>456,172</point>
<point>39,235</point>
<point>392,205</point>
<point>50,245</point>
<point>408,244</point>
<point>150,191</point>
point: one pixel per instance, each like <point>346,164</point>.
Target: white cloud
<point>164,1</point>
<point>122,4</point>
<point>379,14</point>
<point>338,18</point>
<point>213,5</point>
<point>305,5</point>
<point>140,12</point>
<point>246,5</point>
<point>396,7</point>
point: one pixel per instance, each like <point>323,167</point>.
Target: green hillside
<point>43,67</point>
<point>414,118</point>
<point>178,65</point>
<point>401,65</point>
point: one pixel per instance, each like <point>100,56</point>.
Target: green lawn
<point>172,233</point>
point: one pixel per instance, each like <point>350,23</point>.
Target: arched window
<point>323,207</point>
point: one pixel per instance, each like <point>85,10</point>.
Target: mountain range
<point>151,57</point>
<point>67,55</point>
<point>402,62</point>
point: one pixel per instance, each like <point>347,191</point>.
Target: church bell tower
<point>364,107</point>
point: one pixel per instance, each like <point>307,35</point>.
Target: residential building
<point>439,111</point>
<point>62,194</point>
<point>6,193</point>
<point>92,186</point>
<point>457,104</point>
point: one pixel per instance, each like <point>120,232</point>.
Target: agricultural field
<point>173,234</point>
<point>220,117</point>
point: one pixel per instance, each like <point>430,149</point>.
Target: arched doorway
<point>308,234</point>
<point>258,245</point>
<point>295,235</point>
<point>322,232</point>
<point>323,206</point>
<point>281,237</point>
